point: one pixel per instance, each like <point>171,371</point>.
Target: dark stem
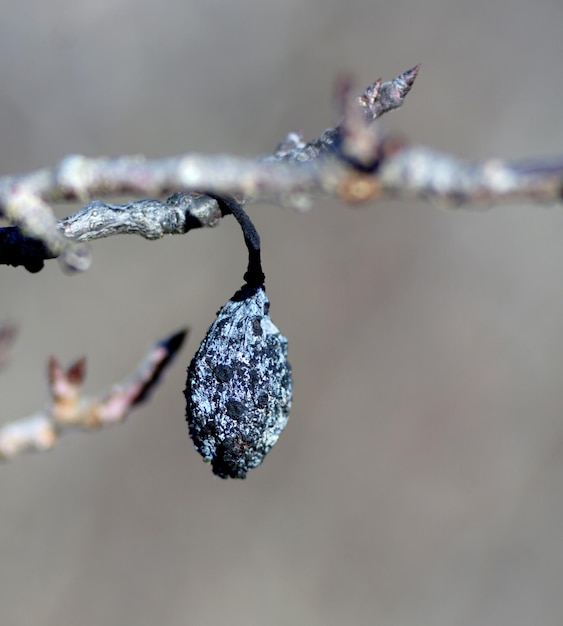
<point>254,276</point>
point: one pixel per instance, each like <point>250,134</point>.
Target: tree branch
<point>426,174</point>
<point>354,161</point>
<point>23,199</point>
<point>68,411</point>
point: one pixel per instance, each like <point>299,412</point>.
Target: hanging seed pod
<point>239,385</point>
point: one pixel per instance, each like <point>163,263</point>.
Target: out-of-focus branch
<point>401,171</point>
<point>69,411</point>
<point>426,174</point>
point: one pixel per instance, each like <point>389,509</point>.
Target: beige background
<point>420,480</point>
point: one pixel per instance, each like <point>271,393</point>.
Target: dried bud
<point>239,386</point>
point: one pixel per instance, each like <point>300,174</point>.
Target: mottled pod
<point>239,386</point>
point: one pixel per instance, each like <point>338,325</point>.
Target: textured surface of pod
<point>239,386</point>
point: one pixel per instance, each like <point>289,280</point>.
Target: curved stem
<point>254,276</point>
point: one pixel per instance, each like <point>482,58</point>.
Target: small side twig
<point>68,411</point>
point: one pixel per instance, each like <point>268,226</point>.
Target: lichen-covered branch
<point>150,219</point>
<point>68,411</point>
<point>354,162</point>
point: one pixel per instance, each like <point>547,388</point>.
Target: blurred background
<point>420,478</point>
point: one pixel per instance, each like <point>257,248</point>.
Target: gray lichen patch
<point>239,387</point>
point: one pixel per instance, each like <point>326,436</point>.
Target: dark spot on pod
<point>262,400</point>
<point>234,409</point>
<point>257,325</point>
<point>223,373</point>
<point>253,378</point>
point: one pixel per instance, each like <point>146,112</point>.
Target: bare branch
<point>151,219</point>
<point>354,161</point>
<point>400,171</point>
<point>24,199</point>
<point>68,411</point>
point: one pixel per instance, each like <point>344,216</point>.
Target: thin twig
<point>68,411</point>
